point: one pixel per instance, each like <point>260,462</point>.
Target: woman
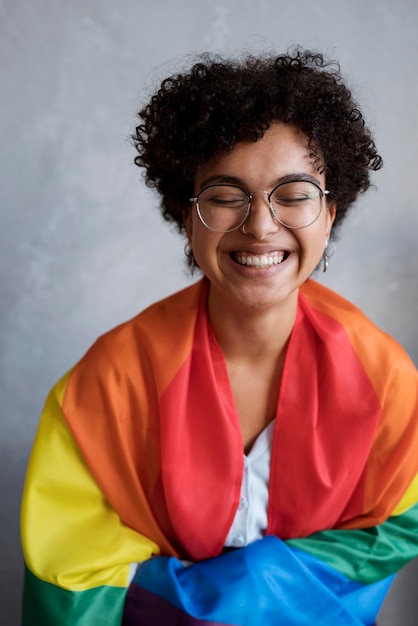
<point>255,433</point>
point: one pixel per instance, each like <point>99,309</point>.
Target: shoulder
<point>163,322</point>
<point>318,299</point>
<point>157,340</point>
<point>338,319</point>
<point>330,303</point>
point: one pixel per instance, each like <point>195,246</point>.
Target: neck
<point>251,333</point>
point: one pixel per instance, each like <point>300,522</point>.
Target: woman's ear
<point>188,224</point>
<point>332,212</point>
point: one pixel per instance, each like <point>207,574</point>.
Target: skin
<point>253,310</point>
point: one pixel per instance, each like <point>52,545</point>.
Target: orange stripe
<point>115,381</point>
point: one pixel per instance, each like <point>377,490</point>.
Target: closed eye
<point>228,202</point>
<point>295,200</point>
<point>224,198</point>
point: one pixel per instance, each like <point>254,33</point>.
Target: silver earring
<point>188,251</point>
<point>328,253</point>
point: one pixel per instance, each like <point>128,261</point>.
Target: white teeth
<point>259,261</point>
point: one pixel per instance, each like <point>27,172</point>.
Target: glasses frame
<point>322,192</point>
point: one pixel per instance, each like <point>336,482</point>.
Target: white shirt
<point>250,520</point>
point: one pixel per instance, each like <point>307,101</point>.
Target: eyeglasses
<point>224,208</point>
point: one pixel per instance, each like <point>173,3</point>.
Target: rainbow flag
<point>135,476</point>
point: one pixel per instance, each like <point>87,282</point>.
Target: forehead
<point>282,151</point>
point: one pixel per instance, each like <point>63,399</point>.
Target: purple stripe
<point>148,609</point>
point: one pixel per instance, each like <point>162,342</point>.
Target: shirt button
<point>238,541</point>
<point>242,504</point>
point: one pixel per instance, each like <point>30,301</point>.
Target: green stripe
<point>370,554</point>
<point>45,604</point>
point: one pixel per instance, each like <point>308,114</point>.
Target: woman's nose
<point>260,222</point>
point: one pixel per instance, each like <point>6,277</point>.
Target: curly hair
<point>201,114</point>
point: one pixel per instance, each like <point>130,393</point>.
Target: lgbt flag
<point>135,476</point>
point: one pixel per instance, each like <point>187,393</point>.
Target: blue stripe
<point>262,583</point>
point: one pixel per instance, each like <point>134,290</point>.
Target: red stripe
<point>327,418</point>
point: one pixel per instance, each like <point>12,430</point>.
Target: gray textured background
<point>82,246</point>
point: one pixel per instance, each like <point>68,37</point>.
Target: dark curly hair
<point>200,114</point>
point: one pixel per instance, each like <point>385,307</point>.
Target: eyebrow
<point>225,179</point>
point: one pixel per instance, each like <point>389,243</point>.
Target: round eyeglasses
<point>224,208</point>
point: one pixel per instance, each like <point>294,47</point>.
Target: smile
<point>259,260</point>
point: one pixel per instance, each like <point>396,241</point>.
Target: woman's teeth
<point>259,261</point>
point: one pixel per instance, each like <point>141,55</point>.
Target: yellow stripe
<point>409,499</point>
<point>71,536</point>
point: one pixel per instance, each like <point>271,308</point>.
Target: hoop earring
<point>188,251</point>
<point>328,253</point>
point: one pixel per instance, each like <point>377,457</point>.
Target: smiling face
<point>264,264</point>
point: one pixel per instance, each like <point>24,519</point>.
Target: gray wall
<point>82,246</point>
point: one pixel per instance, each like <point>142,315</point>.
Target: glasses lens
<point>296,204</point>
<point>222,207</point>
